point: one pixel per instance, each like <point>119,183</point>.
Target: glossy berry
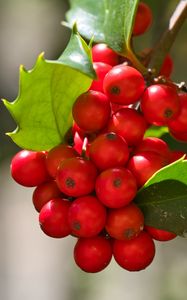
<point>102,53</point>
<point>124,223</point>
<point>167,66</point>
<point>160,104</point>
<point>179,124</point>
<point>179,136</point>
<point>129,124</point>
<point>56,155</point>
<point>160,235</point>
<point>154,144</point>
<point>101,70</point>
<point>144,164</point>
<point>123,84</point>
<point>116,187</point>
<point>45,192</point>
<point>176,154</point>
<point>91,111</point>
<point>87,216</point>
<point>135,254</point>
<point>28,168</point>
<point>109,150</point>
<point>143,19</point>
<point>76,176</point>
<point>53,218</point>
<point>93,254</point>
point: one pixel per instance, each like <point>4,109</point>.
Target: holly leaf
<point>43,107</point>
<point>156,131</point>
<point>163,199</point>
<point>107,21</point>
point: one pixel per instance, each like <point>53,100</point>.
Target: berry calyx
<point>124,85</point>
<point>179,124</point>
<point>116,187</point>
<point>136,254</point>
<point>76,176</point>
<point>124,223</point>
<point>109,150</point>
<point>160,104</point>
<point>87,216</point>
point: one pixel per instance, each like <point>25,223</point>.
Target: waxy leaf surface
<point>163,199</point>
<point>43,107</point>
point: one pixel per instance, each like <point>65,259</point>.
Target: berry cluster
<point>86,186</point>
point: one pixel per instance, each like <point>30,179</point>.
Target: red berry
<point>93,254</point>
<point>102,53</point>
<point>144,164</point>
<point>28,168</point>
<point>154,144</point>
<point>53,218</point>
<point>87,216</point>
<point>129,124</point>
<point>160,104</point>
<point>167,66</point>
<point>76,176</point>
<point>124,223</point>
<point>135,254</point>
<point>101,70</point>
<point>175,155</point>
<point>143,19</point>
<point>45,192</point>
<point>124,84</point>
<point>56,155</point>
<point>179,124</point>
<point>179,136</point>
<point>160,235</point>
<point>116,187</point>
<point>115,107</point>
<point>91,111</point>
<point>109,150</point>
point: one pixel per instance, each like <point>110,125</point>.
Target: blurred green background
<point>33,266</point>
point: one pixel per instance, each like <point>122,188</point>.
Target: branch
<point>167,39</point>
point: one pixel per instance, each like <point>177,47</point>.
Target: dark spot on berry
<point>115,90</point>
<point>168,113</point>
<point>117,182</point>
<point>129,233</point>
<point>111,136</point>
<point>70,182</point>
<point>76,225</point>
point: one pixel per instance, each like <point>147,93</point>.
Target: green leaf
<point>43,107</point>
<point>156,131</point>
<point>78,55</point>
<point>89,16</point>
<point>163,199</point>
<point>108,21</point>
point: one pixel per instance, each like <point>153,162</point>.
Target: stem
<point>167,39</point>
<point>135,61</point>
